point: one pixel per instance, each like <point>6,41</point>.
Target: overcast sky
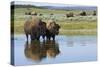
<point>41,3</point>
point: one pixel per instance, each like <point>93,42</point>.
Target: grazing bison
<point>94,13</point>
<point>70,15</point>
<point>27,13</point>
<point>40,14</point>
<point>34,13</point>
<point>51,14</point>
<point>83,13</point>
<point>52,29</point>
<point>34,27</point>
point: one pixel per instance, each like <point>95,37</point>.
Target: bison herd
<point>36,27</point>
<point>82,13</point>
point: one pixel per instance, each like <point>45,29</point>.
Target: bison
<point>34,27</point>
<point>83,13</point>
<point>70,15</point>
<point>43,29</point>
<point>52,29</point>
<point>94,13</point>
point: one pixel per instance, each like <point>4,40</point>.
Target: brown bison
<point>94,13</point>
<point>40,14</point>
<point>52,29</point>
<point>34,27</point>
<point>43,30</point>
<point>70,15</point>
<point>83,13</point>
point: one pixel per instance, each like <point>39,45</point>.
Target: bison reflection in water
<point>39,50</point>
<point>52,48</point>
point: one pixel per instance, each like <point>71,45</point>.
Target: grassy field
<point>77,25</point>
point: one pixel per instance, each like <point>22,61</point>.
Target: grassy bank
<point>67,28</point>
<point>77,25</point>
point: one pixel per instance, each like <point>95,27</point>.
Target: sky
<point>41,3</point>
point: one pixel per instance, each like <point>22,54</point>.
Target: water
<point>63,49</point>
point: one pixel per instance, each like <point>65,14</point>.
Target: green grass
<point>79,32</point>
<point>78,25</point>
<point>68,25</point>
<point>18,28</point>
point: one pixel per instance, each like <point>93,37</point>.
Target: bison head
<point>53,28</point>
<point>56,29</point>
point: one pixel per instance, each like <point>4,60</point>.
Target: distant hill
<point>25,6</point>
<point>58,7</point>
<point>71,7</point>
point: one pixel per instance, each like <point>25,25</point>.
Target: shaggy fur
<point>52,29</point>
<point>33,28</point>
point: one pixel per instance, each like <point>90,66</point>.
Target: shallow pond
<point>63,49</point>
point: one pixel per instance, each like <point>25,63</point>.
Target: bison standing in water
<point>52,29</point>
<point>34,27</point>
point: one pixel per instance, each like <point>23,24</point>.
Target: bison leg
<point>43,36</point>
<point>27,36</point>
<point>38,38</point>
<point>53,37</point>
<point>32,37</point>
<point>37,35</point>
<point>48,37</point>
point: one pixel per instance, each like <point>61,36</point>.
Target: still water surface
<point>63,49</point>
